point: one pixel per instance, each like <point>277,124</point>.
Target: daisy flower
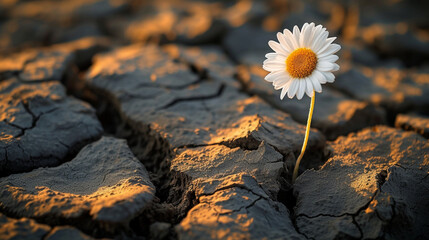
<point>301,62</point>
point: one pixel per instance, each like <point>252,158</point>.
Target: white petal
<point>304,35</point>
<point>275,61</point>
<point>283,93</point>
<point>277,47</point>
<point>316,84</point>
<point>293,88</point>
<point>330,40</point>
<point>281,82</point>
<point>285,90</point>
<point>273,68</point>
<point>326,44</point>
<point>271,55</point>
<point>322,35</point>
<point>271,77</point>
<point>336,67</point>
<point>325,66</point>
<point>296,35</point>
<point>316,32</point>
<point>284,43</point>
<point>279,58</point>
<point>333,48</point>
<point>318,76</point>
<point>301,89</point>
<point>290,39</point>
<point>308,35</point>
<point>309,88</point>
<point>330,58</point>
<point>313,31</point>
<point>330,78</point>
<point>316,44</point>
<point>320,40</point>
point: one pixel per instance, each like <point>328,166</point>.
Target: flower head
<point>302,61</point>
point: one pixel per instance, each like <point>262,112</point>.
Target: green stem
<point>304,145</point>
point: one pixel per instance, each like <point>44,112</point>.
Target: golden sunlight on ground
<point>363,184</point>
<point>148,119</point>
<point>239,129</point>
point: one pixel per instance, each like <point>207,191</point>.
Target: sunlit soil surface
<point>152,119</point>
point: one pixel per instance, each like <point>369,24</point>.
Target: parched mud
<point>152,120</point>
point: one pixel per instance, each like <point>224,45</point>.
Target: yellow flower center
<point>301,62</point>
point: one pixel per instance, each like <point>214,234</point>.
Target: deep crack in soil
<point>173,197</point>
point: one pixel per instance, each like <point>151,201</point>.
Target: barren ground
<point>151,120</point>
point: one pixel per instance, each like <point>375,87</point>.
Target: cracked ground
<point>126,119</point>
